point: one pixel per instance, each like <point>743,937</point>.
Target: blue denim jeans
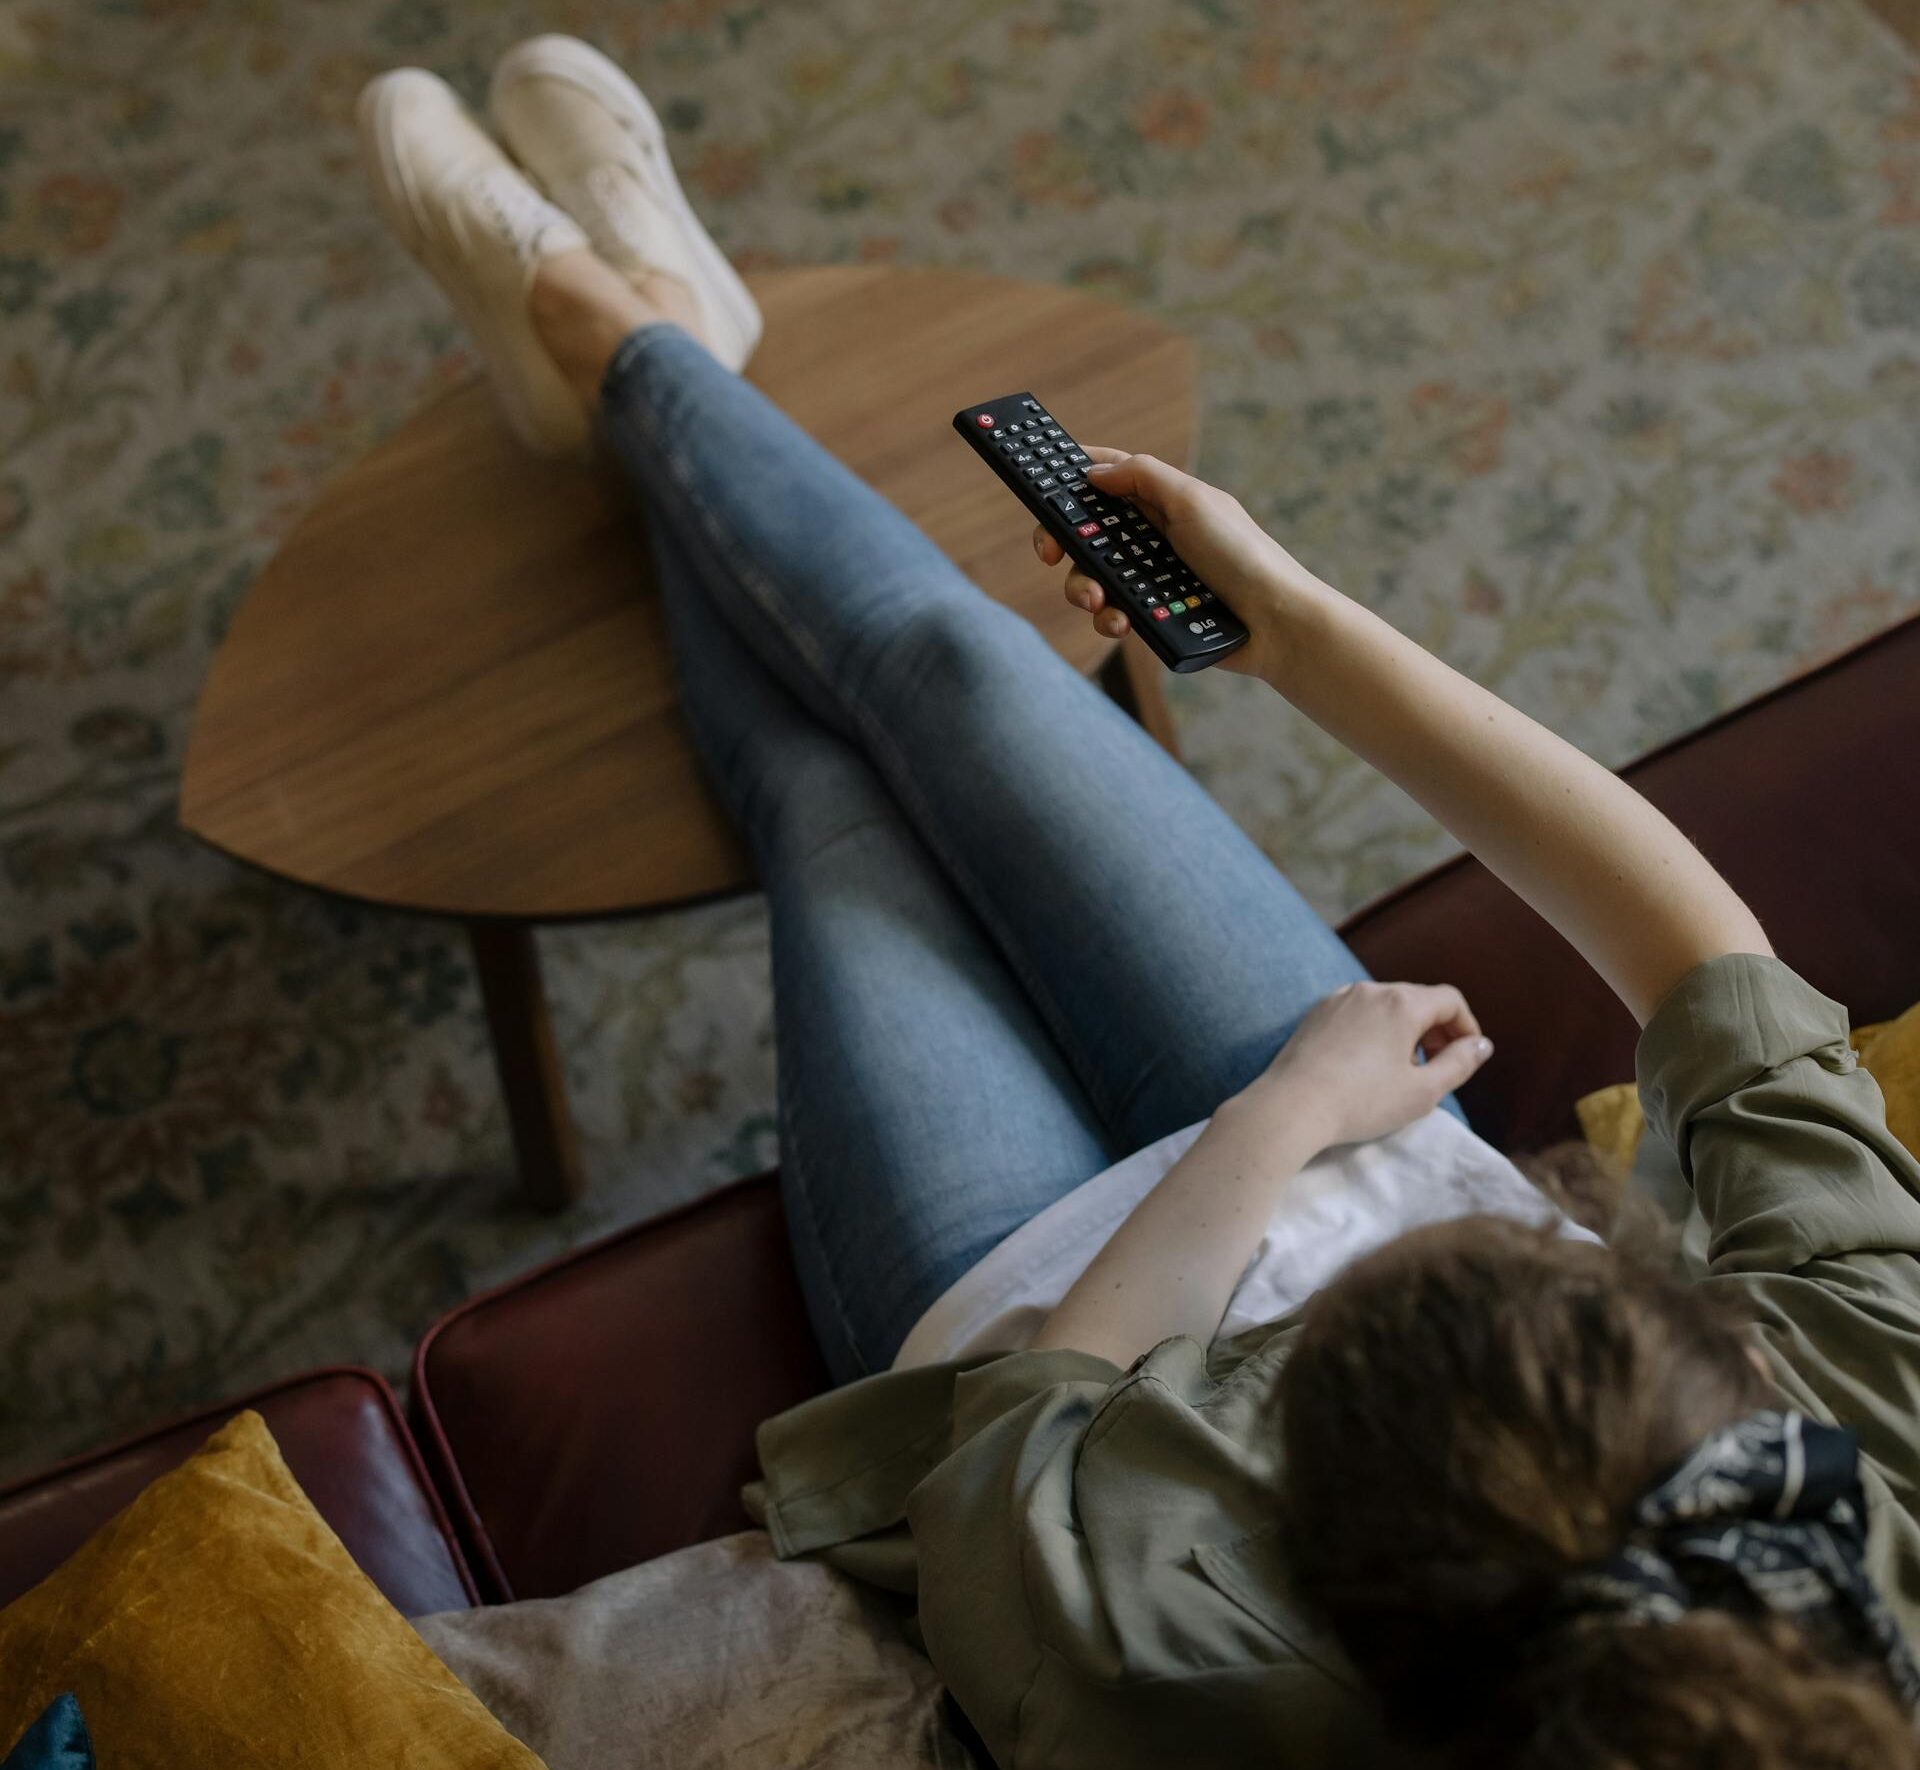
<point>1013,940</point>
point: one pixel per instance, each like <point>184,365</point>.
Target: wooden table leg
<point>528,1061</point>
<point>1136,679</point>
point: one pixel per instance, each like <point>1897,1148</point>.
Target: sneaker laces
<point>617,199</point>
<point>624,218</point>
<point>511,208</point>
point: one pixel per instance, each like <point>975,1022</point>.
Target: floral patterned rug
<point>1581,340</point>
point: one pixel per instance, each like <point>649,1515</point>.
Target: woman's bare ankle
<point>582,308</point>
<point>674,300</point>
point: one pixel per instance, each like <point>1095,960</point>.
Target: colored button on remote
<point>1087,530</point>
<point>1160,614</point>
<point>985,420</point>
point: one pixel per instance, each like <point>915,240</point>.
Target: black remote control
<point>1185,624</point>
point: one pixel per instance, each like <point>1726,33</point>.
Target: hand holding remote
<point>1176,613</point>
<point>1209,529</point>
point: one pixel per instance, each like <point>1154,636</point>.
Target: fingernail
<point>1098,468</point>
<point>1484,1047</point>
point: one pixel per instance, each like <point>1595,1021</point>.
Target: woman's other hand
<point>1251,572</point>
<point>1351,1063</point>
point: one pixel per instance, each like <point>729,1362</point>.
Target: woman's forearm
<point>1171,1267</point>
<point>1610,872</point>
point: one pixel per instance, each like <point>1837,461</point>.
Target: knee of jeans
<point>960,646</point>
<point>806,802</point>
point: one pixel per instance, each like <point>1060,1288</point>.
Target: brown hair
<point>1470,1415</point>
<point>1710,1692</point>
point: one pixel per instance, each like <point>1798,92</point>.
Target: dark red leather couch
<point>343,1436</point>
<point>601,1409</point>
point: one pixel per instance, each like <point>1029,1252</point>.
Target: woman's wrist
<point>1277,1110</point>
<point>1289,618</point>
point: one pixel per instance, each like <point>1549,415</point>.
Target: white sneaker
<point>585,131</point>
<point>480,230</point>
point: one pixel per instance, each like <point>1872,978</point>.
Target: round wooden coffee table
<point>450,689</point>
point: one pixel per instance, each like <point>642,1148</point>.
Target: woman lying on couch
<point>1170,1476</point>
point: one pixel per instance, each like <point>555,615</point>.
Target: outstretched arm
<point>1633,895</point>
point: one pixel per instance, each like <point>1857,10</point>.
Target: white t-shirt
<point>1344,1203</point>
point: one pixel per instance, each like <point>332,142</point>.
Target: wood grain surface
<point>1902,15</point>
<point>450,690</point>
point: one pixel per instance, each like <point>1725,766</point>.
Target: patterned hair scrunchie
<point>1766,1516</point>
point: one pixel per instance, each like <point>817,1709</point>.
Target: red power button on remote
<point>985,420</point>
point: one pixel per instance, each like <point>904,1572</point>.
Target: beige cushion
<point>716,1656</point>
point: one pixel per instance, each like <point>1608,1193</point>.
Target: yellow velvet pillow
<point>1611,1120</point>
<point>219,1621</point>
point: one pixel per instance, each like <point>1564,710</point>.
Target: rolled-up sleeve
<point>1746,1071</point>
<point>842,1465</point>
<point>1812,1205</point>
<point>1004,1562</point>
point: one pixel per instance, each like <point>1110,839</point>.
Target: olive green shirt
<point>1093,1552</point>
